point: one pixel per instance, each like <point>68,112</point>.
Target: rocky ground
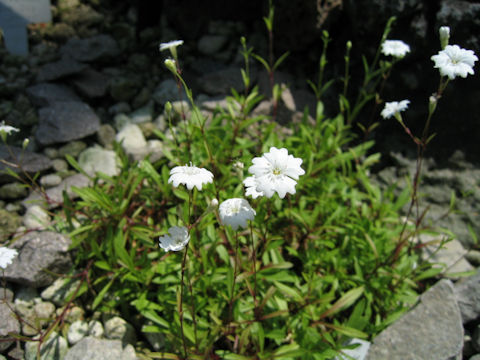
<point>91,79</point>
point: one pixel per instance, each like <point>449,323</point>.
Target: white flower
<point>251,185</point>
<point>453,61</point>
<point>176,239</point>
<point>391,108</point>
<point>170,45</point>
<point>276,171</point>
<point>6,256</point>
<point>235,212</point>
<point>395,48</point>
<point>190,176</point>
<point>7,128</point>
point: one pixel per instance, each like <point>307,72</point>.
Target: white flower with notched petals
<point>454,61</point>
<point>176,239</point>
<point>395,48</point>
<point>6,256</point>
<point>190,176</point>
<point>7,129</point>
<point>251,187</point>
<point>235,212</point>
<point>391,108</point>
<point>276,171</point>
<point>170,45</point>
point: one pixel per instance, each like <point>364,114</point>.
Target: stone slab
<point>15,15</point>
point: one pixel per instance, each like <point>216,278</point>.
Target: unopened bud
<point>171,65</point>
<point>25,143</point>
<point>349,45</point>
<point>214,202</point>
<point>432,103</point>
<point>444,36</point>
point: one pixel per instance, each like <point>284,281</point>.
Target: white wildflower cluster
<point>394,108</point>
<point>7,129</point>
<point>395,48</point>
<point>176,239</point>
<point>274,172</point>
<point>454,61</point>
<point>6,256</point>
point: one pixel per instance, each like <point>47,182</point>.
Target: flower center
<point>277,171</point>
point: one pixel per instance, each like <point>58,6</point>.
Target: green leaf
<point>98,299</point>
<point>294,293</point>
<point>344,302</point>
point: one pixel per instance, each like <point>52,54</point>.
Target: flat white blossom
<point>276,171</point>
<point>395,48</point>
<point>6,256</point>
<point>235,212</point>
<point>391,108</point>
<point>251,187</point>
<point>190,176</point>
<point>176,239</point>
<point>7,128</point>
<point>454,61</point>
<point>170,45</point>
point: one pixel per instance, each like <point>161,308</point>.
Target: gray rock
<point>39,251</point>
<point>66,66</point>
<point>73,148</point>
<point>142,98</point>
<point>221,81</point>
<point>123,88</point>
<point>95,329</point>
<point>8,322</point>
<point>54,196</point>
<point>95,48</point>
<point>106,136</point>
<point>66,121</point>
<point>13,190</point>
<point>142,115</point>
<point>91,83</point>
<point>50,180</point>
<point>467,292</point>
<point>44,312</point>
<point>118,108</point>
<point>45,94</point>
<point>54,348</point>
<point>77,331</point>
<point>473,257</point>
<point>60,291</point>
<point>117,328</point>
<point>211,44</point>
<point>431,330</point>
<point>21,161</point>
<point>59,165</point>
<point>131,138</point>
<point>36,218</point>
<point>96,159</point>
<point>168,90</point>
<point>9,222</point>
<point>450,255</point>
<point>93,348</point>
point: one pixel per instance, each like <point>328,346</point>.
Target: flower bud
<point>25,143</point>
<point>432,103</point>
<point>349,45</point>
<point>171,65</point>
<point>444,36</point>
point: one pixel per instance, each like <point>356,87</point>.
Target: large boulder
<point>40,254</point>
